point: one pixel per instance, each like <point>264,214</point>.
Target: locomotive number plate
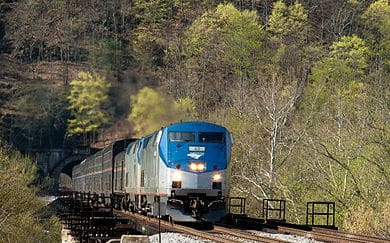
<point>196,149</point>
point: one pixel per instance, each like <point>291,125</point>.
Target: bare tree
<point>271,106</point>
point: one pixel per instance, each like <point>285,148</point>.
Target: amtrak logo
<point>195,155</point>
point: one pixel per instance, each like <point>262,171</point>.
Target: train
<point>179,171</point>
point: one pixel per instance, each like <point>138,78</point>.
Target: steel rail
<point>171,227</point>
<point>246,235</point>
<point>351,236</point>
<point>218,234</point>
<point>327,235</point>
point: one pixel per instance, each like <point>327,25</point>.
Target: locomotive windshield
<point>211,137</point>
<point>181,136</point>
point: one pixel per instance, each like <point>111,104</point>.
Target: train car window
<point>146,141</point>
<point>129,148</point>
<point>181,136</point>
<point>154,136</point>
<point>211,137</point>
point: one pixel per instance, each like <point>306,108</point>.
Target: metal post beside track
<point>321,210</point>
<point>274,205</point>
<point>236,202</point>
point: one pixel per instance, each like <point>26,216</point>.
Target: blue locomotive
<point>179,171</point>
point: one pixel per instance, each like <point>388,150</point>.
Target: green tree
<point>150,111</point>
<point>289,50</point>
<point>347,62</point>
<point>18,205</point>
<point>154,12</point>
<point>154,18</point>
<point>222,53</point>
<point>87,99</point>
<point>377,19</point>
<point>227,52</point>
<point>353,51</point>
<point>264,138</point>
<point>338,137</point>
<point>288,21</point>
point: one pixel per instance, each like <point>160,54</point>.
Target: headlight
<point>201,166</point>
<point>197,166</point>
<point>193,166</point>
<point>217,177</point>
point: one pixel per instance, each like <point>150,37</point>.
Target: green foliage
<point>347,61</point>
<point>185,109</point>
<point>18,204</point>
<point>340,134</point>
<point>222,51</point>
<point>335,76</point>
<point>241,36</point>
<point>290,52</point>
<point>154,11</point>
<point>289,20</point>
<point>279,18</point>
<point>377,15</point>
<point>377,18</point>
<point>150,111</point>
<point>247,148</point>
<point>369,219</point>
<point>147,42</point>
<point>353,51</point>
<point>88,95</point>
<point>236,35</point>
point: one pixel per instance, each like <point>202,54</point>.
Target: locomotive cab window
<point>181,136</point>
<point>211,137</point>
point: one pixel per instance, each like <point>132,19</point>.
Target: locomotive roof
<point>190,124</point>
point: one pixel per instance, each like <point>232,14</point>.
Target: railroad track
<point>351,236</point>
<point>217,234</point>
<point>329,235</point>
<point>230,235</point>
<point>245,235</point>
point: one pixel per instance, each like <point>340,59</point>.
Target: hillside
<point>303,85</point>
<point>24,82</point>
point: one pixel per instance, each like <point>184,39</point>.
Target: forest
<point>303,85</point>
